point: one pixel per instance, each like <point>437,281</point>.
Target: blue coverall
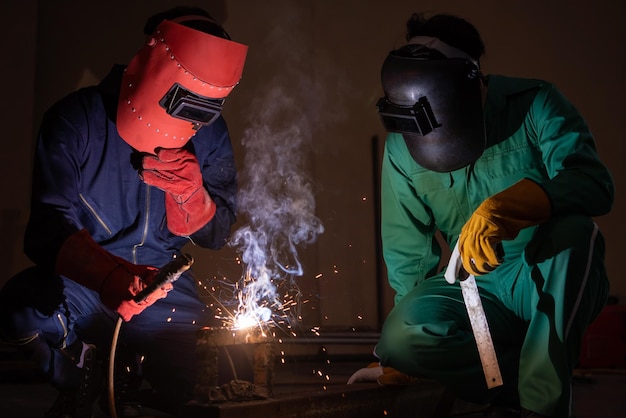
<point>86,176</point>
<point>552,282</point>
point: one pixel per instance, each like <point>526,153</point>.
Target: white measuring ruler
<point>480,327</point>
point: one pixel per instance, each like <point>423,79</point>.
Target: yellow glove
<point>501,217</point>
<point>384,376</point>
<point>392,377</point>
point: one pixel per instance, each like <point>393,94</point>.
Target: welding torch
<point>167,274</point>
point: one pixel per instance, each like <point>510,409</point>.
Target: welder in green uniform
<point>509,169</point>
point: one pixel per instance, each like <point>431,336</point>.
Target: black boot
<point>77,402</point>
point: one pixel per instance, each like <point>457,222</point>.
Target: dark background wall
<point>325,56</point>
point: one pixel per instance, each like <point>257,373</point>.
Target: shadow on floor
<point>317,386</point>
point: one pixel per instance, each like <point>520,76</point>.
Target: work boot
<point>126,400</point>
<point>77,402</point>
<point>384,376</point>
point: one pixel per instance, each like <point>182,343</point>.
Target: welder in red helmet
<point>125,174</point>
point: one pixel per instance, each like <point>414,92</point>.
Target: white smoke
<point>277,197</point>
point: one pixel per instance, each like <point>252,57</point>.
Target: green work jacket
<point>533,132</point>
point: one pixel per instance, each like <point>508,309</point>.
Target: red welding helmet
<point>176,84</point>
<point>435,102</point>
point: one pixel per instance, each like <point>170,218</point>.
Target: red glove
<point>116,280</point>
<point>187,203</point>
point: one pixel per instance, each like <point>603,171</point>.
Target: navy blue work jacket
<point>86,176</point>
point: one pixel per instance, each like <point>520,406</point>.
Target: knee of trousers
<point>34,286</point>
<point>415,344</point>
<point>574,238</point>
<point>575,233</point>
<point>573,248</point>
<point>573,242</point>
<point>28,302</point>
<point>19,327</point>
<point>394,339</point>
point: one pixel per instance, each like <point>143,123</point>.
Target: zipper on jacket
<point>65,332</point>
<point>94,213</point>
<point>145,225</point>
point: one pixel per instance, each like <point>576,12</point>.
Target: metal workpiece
<point>252,377</point>
<point>223,336</point>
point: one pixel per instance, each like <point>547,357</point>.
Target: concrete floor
<point>314,387</point>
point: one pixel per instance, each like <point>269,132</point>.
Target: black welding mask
<point>435,102</point>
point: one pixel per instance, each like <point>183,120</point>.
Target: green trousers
<point>538,304</point>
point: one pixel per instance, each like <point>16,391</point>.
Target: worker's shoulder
<point>85,100</point>
<point>93,100</point>
<point>514,95</point>
<point>508,86</point>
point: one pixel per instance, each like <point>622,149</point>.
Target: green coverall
<point>552,282</point>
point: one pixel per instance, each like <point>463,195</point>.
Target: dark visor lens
<point>416,119</point>
<point>184,104</point>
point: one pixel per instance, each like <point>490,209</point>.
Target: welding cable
<point>111,386</point>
